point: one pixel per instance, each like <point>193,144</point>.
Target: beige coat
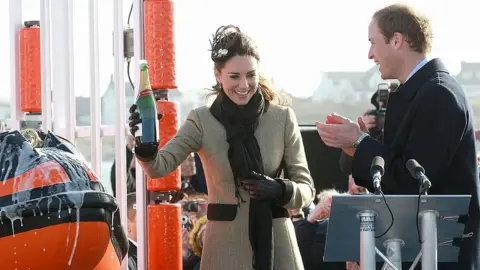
<point>227,245</point>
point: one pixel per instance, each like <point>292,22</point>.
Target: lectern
<point>355,221</point>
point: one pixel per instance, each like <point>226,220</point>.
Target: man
<point>428,119</point>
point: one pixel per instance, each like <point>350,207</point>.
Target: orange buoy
<point>54,214</point>
<point>168,126</point>
<point>159,42</point>
<point>164,237</point>
<point>30,68</point>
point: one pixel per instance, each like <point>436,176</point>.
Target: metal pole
<point>429,243</point>
<point>64,113</point>
<point>367,239</point>
<point>394,252</point>
<point>119,82</point>
<point>141,198</point>
<point>386,260</point>
<point>46,71</point>
<point>95,98</point>
<point>15,11</point>
<point>415,262</point>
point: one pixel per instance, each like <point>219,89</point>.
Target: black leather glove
<point>261,187</point>
<point>146,151</point>
<point>135,119</point>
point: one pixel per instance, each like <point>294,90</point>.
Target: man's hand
<point>341,133</point>
<point>369,120</point>
<point>351,150</point>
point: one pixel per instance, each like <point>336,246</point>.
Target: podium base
<point>429,239</point>
<point>394,253</point>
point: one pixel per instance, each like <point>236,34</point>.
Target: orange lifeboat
<point>54,214</point>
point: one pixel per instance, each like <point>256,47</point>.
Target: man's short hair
<point>399,18</point>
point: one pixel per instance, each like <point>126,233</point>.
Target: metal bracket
<point>157,197</point>
<point>32,121</point>
<point>160,94</point>
<point>128,46</point>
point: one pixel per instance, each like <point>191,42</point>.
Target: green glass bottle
<point>147,107</point>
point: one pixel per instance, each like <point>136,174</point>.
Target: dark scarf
<point>244,155</point>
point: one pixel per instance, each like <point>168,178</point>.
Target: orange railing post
<point>164,226</point>
<point>30,68</point>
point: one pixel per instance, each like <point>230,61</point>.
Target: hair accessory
<point>222,40</point>
<point>220,53</point>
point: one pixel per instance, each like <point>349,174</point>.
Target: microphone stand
<point>424,185</point>
<point>376,184</point>
<point>428,230</point>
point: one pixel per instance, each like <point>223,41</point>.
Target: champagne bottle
<point>147,107</point>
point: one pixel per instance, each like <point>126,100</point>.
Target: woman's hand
<point>261,187</point>
<point>135,119</point>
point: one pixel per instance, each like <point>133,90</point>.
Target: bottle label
<point>145,92</point>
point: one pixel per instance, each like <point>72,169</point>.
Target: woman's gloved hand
<point>145,150</point>
<point>262,187</point>
<point>135,119</point>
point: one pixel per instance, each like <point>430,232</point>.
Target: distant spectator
<point>477,134</point>
<point>194,208</point>
<point>198,180</point>
<point>188,171</point>
<point>311,234</point>
<point>130,177</point>
<point>132,231</point>
<point>197,236</point>
<point>354,189</point>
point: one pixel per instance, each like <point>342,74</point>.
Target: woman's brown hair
<point>227,42</point>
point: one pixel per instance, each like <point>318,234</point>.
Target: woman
<point>242,140</point>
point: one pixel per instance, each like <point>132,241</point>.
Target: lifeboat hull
<point>54,214</point>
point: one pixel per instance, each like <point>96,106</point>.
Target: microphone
<point>418,172</point>
<point>377,172</point>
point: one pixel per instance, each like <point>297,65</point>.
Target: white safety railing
<point>119,82</point>
<point>46,71</point>
<point>95,108</point>
<point>58,95</point>
<point>15,13</point>
<point>61,49</point>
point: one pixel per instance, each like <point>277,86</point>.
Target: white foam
<point>113,216</point>
<point>76,237</point>
<point>68,236</point>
